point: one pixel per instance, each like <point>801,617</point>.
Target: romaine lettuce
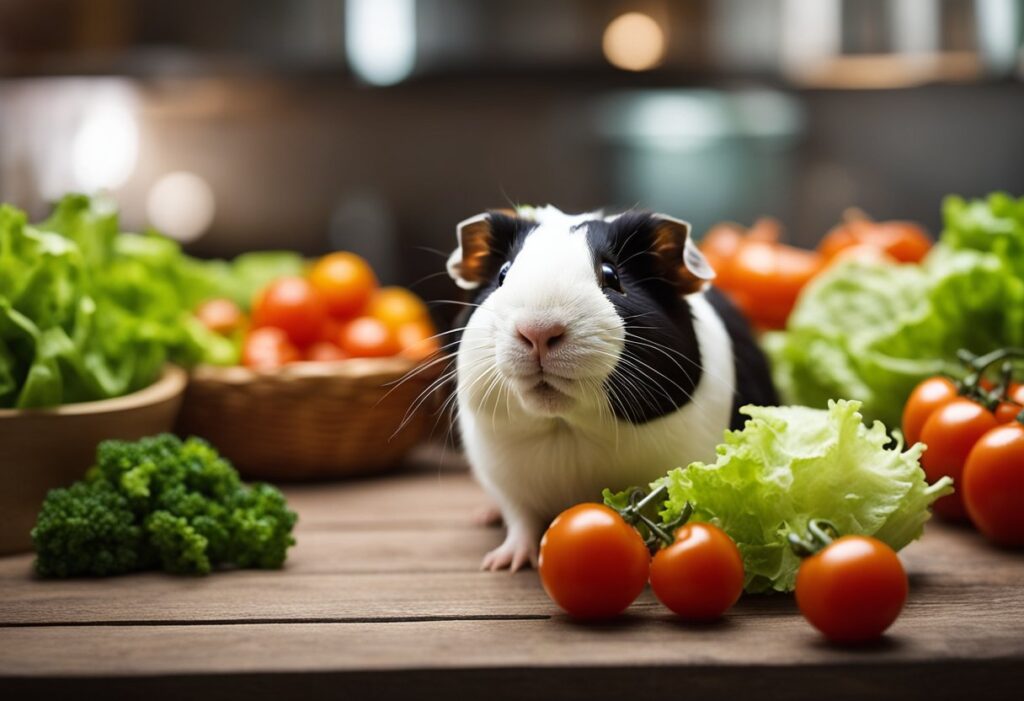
<point>87,312</point>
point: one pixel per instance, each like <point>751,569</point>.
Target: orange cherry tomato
<point>928,396</point>
<point>699,576</point>
<point>345,281</point>
<point>220,316</point>
<point>323,351</point>
<point>592,563</point>
<point>267,348</point>
<point>723,240</point>
<point>993,485</point>
<point>852,590</point>
<point>367,337</point>
<point>396,306</point>
<point>906,242</point>
<point>418,340</point>
<point>292,305</point>
<point>950,433</point>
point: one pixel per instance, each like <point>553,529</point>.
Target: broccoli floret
<point>87,529</point>
<point>166,503</point>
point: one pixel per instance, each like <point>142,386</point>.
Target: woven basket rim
<point>380,369</point>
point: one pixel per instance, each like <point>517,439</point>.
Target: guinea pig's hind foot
<point>518,550</point>
<point>487,516</point>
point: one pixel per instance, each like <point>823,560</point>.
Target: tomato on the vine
<point>292,305</point>
<point>700,575</point>
<point>993,484</point>
<point>950,433</point>
<point>592,563</point>
<point>924,400</point>
<point>852,590</point>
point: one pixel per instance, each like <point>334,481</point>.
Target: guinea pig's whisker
<point>667,350</point>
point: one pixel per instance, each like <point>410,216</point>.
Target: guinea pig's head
<point>573,313</point>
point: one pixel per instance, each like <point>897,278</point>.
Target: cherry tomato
<point>592,563</point>
<point>220,316</point>
<point>924,400</point>
<point>292,305</point>
<point>322,352</point>
<point>345,281</point>
<point>852,590</point>
<point>396,306</point>
<point>904,241</point>
<point>1009,409</point>
<point>950,433</point>
<point>765,279</point>
<point>993,485</point>
<point>1007,412</point>
<point>699,576</point>
<point>367,337</point>
<point>267,348</point>
<point>418,340</point>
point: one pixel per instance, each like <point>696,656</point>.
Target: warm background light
<point>634,42</point>
<point>181,205</point>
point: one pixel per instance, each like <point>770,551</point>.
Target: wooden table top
<point>382,597</point>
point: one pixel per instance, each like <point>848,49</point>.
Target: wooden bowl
<point>313,420</point>
<point>45,448</point>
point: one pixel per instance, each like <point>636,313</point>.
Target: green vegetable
<point>89,313</point>
<point>789,465</point>
<point>871,332</point>
<point>161,503</point>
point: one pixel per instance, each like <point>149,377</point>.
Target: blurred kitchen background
<point>375,125</point>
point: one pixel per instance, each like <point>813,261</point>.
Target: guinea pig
<point>593,353</point>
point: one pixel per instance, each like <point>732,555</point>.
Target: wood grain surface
<point>381,598</point>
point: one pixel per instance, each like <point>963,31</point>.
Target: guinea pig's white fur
<point>538,451</point>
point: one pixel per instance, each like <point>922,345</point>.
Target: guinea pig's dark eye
<point>610,277</point>
<point>502,272</point>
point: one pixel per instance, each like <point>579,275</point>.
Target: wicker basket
<point>312,420</point>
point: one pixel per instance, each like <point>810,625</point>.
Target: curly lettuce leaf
<point>789,465</point>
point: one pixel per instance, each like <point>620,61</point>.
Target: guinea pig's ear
<point>467,263</point>
<point>684,262</point>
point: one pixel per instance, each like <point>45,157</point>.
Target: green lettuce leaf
<point>88,312</point>
<point>789,465</point>
<point>871,332</point>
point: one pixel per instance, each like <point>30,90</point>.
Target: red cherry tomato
<point>267,348</point>
<point>993,485</point>
<point>924,400</point>
<point>950,433</point>
<point>905,241</point>
<point>592,563</point>
<point>322,352</point>
<point>220,316</point>
<point>700,575</point>
<point>852,590</point>
<point>367,337</point>
<point>292,305</point>
<point>1009,409</point>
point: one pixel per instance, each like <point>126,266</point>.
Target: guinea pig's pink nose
<point>540,337</point>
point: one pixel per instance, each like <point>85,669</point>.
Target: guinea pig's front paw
<point>519,549</point>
